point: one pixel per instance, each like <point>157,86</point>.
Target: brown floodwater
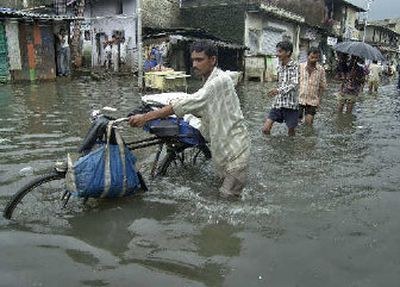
<point>320,209</point>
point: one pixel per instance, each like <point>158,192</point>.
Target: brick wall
<point>225,22</point>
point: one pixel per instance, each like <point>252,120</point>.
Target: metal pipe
<point>139,43</point>
<point>366,18</point>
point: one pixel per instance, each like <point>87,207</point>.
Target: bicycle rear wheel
<point>35,201</point>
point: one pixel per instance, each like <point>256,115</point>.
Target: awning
<point>282,13</point>
<point>7,13</point>
<point>188,35</point>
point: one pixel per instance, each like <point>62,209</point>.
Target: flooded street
<point>320,209</point>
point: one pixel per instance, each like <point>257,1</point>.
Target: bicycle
<point>173,134</point>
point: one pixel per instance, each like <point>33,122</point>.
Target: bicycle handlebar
<point>120,120</point>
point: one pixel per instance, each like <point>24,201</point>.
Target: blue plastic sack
<point>90,178</point>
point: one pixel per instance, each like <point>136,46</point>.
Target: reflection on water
<point>306,196</point>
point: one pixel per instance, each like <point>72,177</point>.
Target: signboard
<point>332,41</point>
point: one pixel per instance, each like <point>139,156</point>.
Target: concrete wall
<point>349,29</point>
<point>311,10</point>
<point>108,22</point>
<point>161,13</point>
<point>269,31</point>
<point>261,24</point>
<point>225,22</point>
<point>14,53</point>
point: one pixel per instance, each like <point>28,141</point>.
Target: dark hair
<point>313,50</point>
<point>286,46</point>
<point>205,46</point>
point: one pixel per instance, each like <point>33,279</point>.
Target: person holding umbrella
<point>398,73</point>
<point>351,87</point>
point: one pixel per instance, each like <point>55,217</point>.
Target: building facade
<point>103,19</point>
<point>27,45</point>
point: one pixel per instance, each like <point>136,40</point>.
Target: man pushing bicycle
<point>222,121</point>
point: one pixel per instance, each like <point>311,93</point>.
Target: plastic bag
<point>108,171</point>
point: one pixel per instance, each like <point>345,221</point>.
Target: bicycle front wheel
<point>183,157</point>
<point>36,200</point>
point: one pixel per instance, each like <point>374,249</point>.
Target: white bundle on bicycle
<point>165,99</point>
<point>108,171</point>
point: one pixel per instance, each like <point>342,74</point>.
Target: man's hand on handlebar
<point>141,119</point>
<point>137,120</point>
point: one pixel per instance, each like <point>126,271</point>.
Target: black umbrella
<point>360,49</point>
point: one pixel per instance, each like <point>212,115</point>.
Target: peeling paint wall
<point>4,66</point>
<point>36,42</point>
<point>14,53</point>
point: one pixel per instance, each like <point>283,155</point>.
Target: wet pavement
<point>320,209</point>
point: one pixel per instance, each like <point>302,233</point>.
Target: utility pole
<point>139,44</point>
<point>369,2</point>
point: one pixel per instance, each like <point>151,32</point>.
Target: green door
<point>4,71</point>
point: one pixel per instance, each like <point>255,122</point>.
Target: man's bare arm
<point>140,120</point>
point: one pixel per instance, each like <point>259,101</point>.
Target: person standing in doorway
<point>115,53</point>
<point>285,107</point>
<point>312,86</point>
<point>64,54</point>
<point>108,54</point>
<point>123,51</point>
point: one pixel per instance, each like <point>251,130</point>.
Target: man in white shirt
<point>64,57</point>
<point>115,53</point>
<point>222,121</point>
<point>374,79</point>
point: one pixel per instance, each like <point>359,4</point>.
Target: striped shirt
<point>222,121</point>
<point>311,85</point>
<point>288,85</point>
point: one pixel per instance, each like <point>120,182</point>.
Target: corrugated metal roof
<point>282,13</point>
<point>217,43</point>
<point>189,35</point>
<point>13,13</point>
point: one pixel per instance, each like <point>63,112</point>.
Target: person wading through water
<point>222,121</point>
<point>312,86</point>
<point>285,106</point>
